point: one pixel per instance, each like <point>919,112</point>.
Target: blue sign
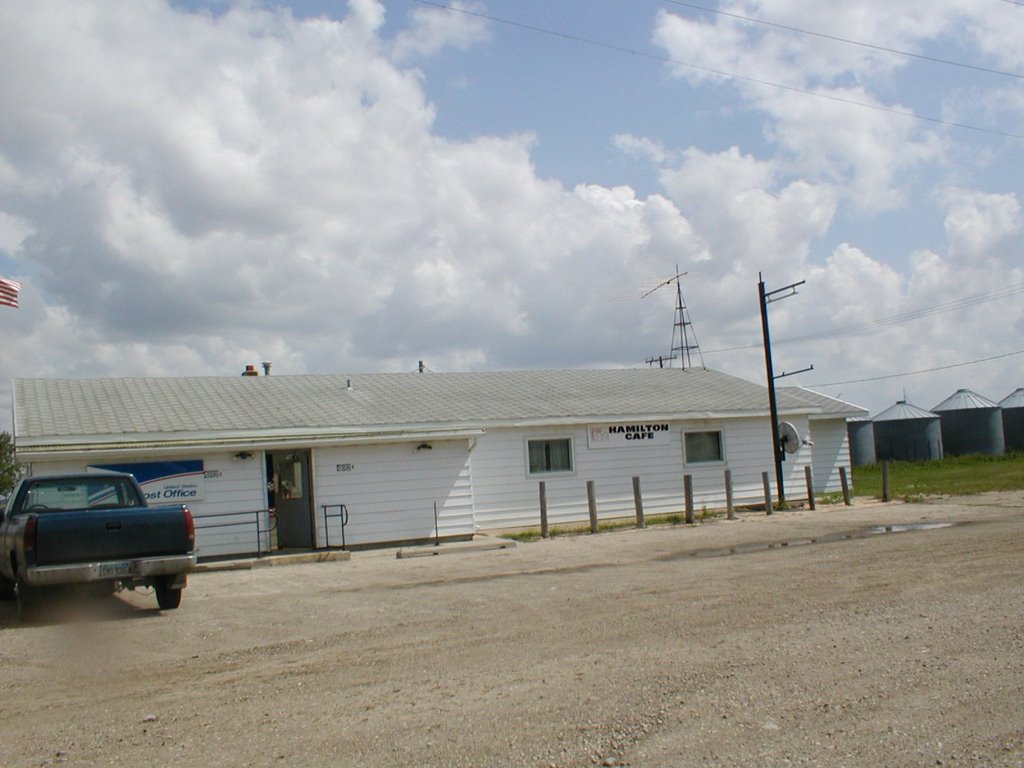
<point>166,482</point>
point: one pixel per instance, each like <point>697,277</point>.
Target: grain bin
<point>971,424</point>
<point>905,432</point>
<point>861,433</point>
<point>1013,419</point>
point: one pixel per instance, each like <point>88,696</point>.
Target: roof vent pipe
<point>266,367</point>
<point>250,370</point>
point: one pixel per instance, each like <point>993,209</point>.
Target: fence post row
<point>808,476</point>
<point>730,509</point>
<point>846,486</point>
<point>767,493</point>
<point>638,503</point>
<point>543,510</point>
<point>592,505</point>
<point>688,497</point>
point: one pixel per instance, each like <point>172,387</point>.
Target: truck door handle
<point>114,525</point>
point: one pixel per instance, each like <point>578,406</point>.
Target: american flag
<point>9,292</point>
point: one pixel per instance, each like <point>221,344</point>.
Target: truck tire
<point>6,588</point>
<point>28,600</point>
<point>168,599</point>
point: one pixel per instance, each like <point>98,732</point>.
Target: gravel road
<point>738,643</point>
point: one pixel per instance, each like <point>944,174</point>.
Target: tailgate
<point>109,534</point>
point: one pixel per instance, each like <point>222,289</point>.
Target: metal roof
<point>1013,400</point>
<point>962,400</point>
<point>831,407</point>
<point>903,410</point>
<point>54,412</point>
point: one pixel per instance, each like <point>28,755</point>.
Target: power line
<point>722,73</point>
<point>967,301</point>
<point>923,370</point>
<point>848,41</point>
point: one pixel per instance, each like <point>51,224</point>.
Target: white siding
<point>390,491</point>
<point>234,500</point>
<point>231,486</point>
<point>831,451</point>
<point>506,496</point>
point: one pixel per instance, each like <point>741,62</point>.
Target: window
<point>549,455</point>
<point>85,493</point>
<point>704,447</point>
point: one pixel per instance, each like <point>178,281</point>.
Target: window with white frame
<point>704,447</point>
<point>551,455</point>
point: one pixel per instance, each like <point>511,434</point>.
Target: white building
<point>283,461</point>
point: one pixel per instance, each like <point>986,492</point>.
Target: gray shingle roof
<point>48,411</point>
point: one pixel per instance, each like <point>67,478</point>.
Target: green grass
<point>956,476</point>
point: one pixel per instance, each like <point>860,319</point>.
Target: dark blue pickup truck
<point>94,529</point>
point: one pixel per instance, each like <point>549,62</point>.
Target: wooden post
<point>846,486</point>
<point>638,502</point>
<point>885,481</point>
<point>808,476</point>
<point>543,510</point>
<point>730,510</point>
<point>592,505</point>
<point>688,492</point>
<point>767,493</point>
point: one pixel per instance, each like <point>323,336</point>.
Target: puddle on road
<point>910,527</point>
<point>743,549</point>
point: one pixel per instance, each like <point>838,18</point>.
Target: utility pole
<point>765,298</point>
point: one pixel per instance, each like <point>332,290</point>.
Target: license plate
<point>111,570</point>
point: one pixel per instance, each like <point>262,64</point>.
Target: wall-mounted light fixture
<point>243,455</point>
<point>424,447</point>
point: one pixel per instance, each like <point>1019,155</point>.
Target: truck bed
<point>100,534</point>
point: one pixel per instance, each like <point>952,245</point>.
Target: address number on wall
<point>346,467</point>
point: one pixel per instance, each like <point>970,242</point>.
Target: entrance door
<point>291,489</point>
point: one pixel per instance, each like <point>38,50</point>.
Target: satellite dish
<point>789,437</point>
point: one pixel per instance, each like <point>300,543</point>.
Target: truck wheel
<point>168,599</point>
<point>6,588</point>
<point>28,598</point>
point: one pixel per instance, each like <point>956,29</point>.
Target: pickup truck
<point>93,530</point>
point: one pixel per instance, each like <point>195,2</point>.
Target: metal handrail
<point>248,514</point>
<point>341,514</point>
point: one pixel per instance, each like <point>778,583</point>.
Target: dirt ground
<point>723,644</point>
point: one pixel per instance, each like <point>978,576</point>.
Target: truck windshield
<point>61,494</point>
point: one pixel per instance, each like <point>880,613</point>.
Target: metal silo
<point>905,432</point>
<point>861,433</point>
<point>1013,419</point>
<point>971,424</point>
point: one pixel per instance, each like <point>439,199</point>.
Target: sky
<point>191,186</point>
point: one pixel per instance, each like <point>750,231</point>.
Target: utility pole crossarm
<point>766,298</point>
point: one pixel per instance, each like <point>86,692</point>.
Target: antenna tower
<point>684,337</point>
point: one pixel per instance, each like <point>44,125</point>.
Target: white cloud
<point>806,89</point>
<point>638,146</point>
<point>983,227</point>
<point>435,29</point>
<point>185,193</point>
